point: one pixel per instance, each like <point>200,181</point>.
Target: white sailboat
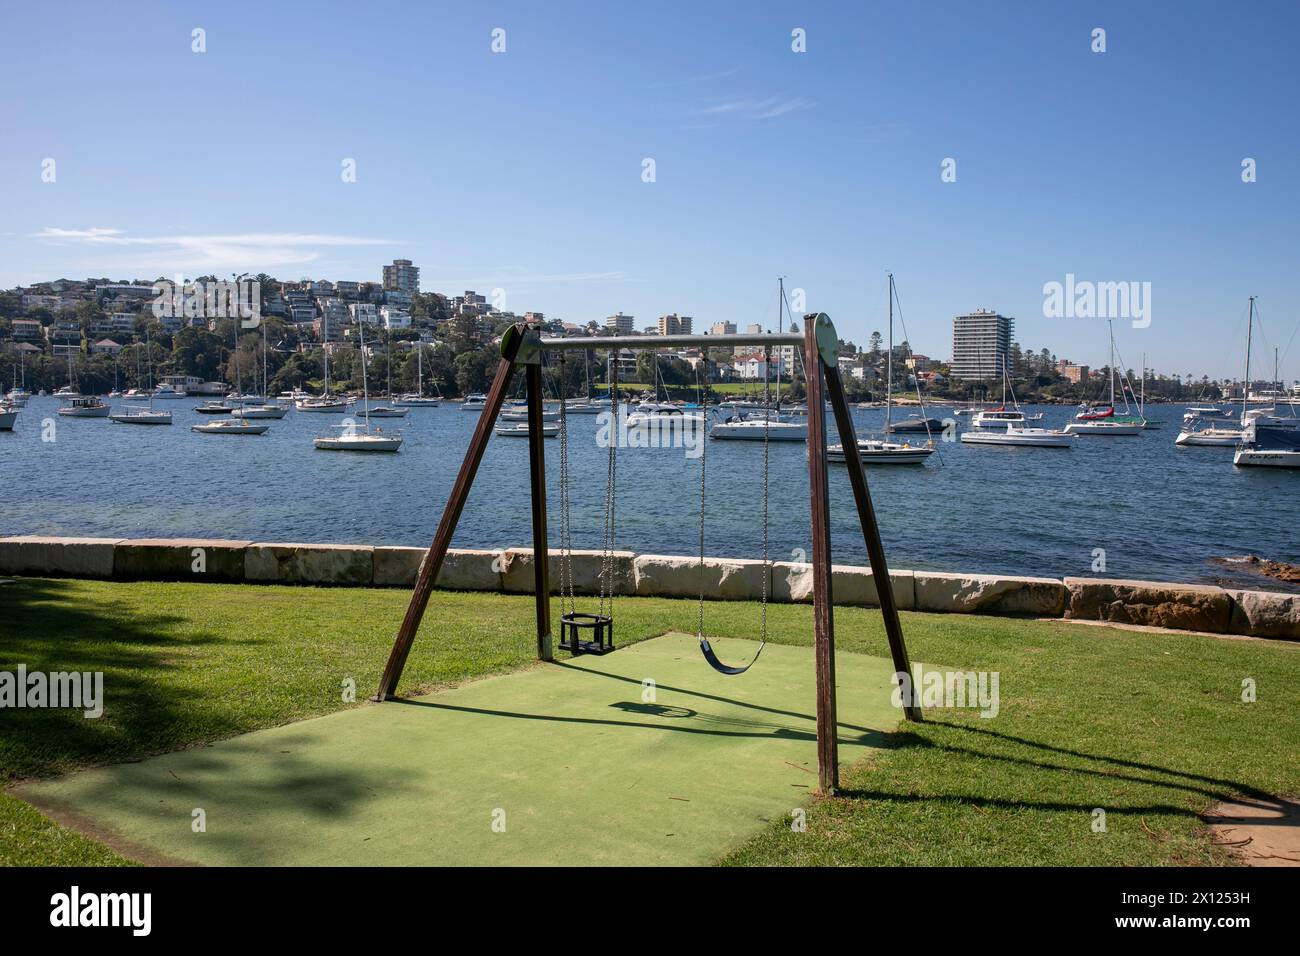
<point>767,424</point>
<point>418,399</point>
<point>880,451</point>
<point>1106,422</point>
<point>1009,428</point>
<point>1218,435</point>
<point>18,395</point>
<point>238,423</point>
<point>351,439</point>
<point>141,414</point>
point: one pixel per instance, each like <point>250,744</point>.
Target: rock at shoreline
<point>1279,570</point>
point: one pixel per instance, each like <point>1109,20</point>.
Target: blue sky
<point>522,170</point>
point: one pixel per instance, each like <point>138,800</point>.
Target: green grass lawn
<point>1148,727</point>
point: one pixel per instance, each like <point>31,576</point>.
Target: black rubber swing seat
<point>707,650</point>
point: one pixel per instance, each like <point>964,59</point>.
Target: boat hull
<point>361,443</point>
<point>233,427</point>
<point>1101,428</point>
<point>141,418</point>
<point>1020,440</point>
<point>755,431</point>
<point>1208,439</point>
<point>1267,459</point>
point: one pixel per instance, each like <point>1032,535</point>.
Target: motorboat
<point>749,429</point>
<point>86,407</point>
<point>322,403</point>
<point>518,412</point>
<point>998,418</point>
<point>140,415</point>
<point>1268,446</point>
<point>166,391</point>
<point>412,400</point>
<point>520,429</point>
<point>269,410</point>
<point>230,426</point>
<point>1104,427</point>
<point>8,416</point>
<point>1020,436</point>
<point>214,408</point>
<point>659,414</point>
<point>875,452</point>
<point>1269,416</point>
<point>474,402</point>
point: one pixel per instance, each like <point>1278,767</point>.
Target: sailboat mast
<point>1111,324</point>
<point>780,327</point>
<point>1142,401</point>
<point>889,355</point>
<point>365,386</point>
<point>1245,386</point>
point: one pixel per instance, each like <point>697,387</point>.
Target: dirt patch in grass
<point>1257,832</point>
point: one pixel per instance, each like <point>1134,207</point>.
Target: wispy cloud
<point>760,109</point>
<point>210,252</point>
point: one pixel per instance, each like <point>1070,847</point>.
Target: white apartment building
<point>363,312</point>
<point>981,342</point>
<point>674,324</point>
<point>394,318</point>
<point>620,323</point>
<point>401,276</point>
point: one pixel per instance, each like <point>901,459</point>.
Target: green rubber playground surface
<point>564,763</point>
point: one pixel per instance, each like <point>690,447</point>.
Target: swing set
<point>522,347</point>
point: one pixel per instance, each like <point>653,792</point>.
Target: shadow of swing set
<point>522,346</point>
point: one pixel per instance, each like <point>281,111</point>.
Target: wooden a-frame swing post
<point>820,344</point>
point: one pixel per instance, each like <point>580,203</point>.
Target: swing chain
<point>611,477</point>
<point>704,458</point>
<point>767,430</point>
<point>566,536</point>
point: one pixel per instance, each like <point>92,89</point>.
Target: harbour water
<point>1157,511</point>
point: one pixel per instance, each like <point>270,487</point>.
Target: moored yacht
<point>876,452</point>
<point>1210,436</point>
<point>998,418</point>
<point>272,410</point>
<point>229,426</point>
<point>85,407</point>
<point>520,429</point>
<point>760,429</point>
<point>1023,437</point>
<point>1269,447</point>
